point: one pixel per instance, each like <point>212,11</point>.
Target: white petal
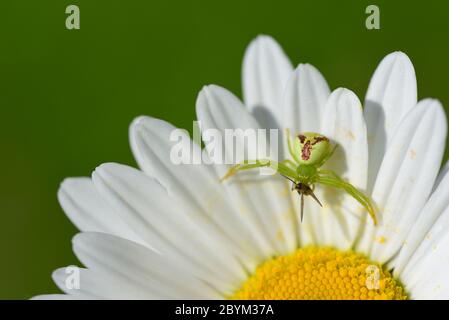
<point>139,266</point>
<point>407,175</point>
<point>425,277</point>
<point>343,123</point>
<point>432,247</point>
<point>437,203</point>
<point>442,175</point>
<point>266,69</point>
<point>194,186</point>
<point>263,201</point>
<point>99,285</point>
<point>163,224</point>
<point>305,99</point>
<point>391,95</point>
<point>89,211</point>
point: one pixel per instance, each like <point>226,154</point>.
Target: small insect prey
<point>309,152</point>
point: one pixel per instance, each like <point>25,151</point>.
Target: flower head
<point>171,231</point>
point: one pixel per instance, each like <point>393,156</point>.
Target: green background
<point>68,96</point>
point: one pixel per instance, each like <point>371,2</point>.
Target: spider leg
<point>290,145</point>
<point>293,185</point>
<point>331,179</point>
<point>259,163</point>
<point>314,197</point>
<point>288,178</point>
<point>290,164</point>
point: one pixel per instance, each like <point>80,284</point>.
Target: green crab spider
<point>309,152</point>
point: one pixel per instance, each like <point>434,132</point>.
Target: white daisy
<point>175,232</point>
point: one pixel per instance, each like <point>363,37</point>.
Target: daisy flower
<point>173,231</point>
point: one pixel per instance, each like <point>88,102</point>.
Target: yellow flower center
<point>321,273</point>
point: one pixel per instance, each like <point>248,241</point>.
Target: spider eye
<point>312,148</point>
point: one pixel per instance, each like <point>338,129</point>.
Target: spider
<point>309,152</point>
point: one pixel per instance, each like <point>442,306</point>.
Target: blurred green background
<point>68,96</point>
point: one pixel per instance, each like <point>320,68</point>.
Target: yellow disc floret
<point>321,273</point>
